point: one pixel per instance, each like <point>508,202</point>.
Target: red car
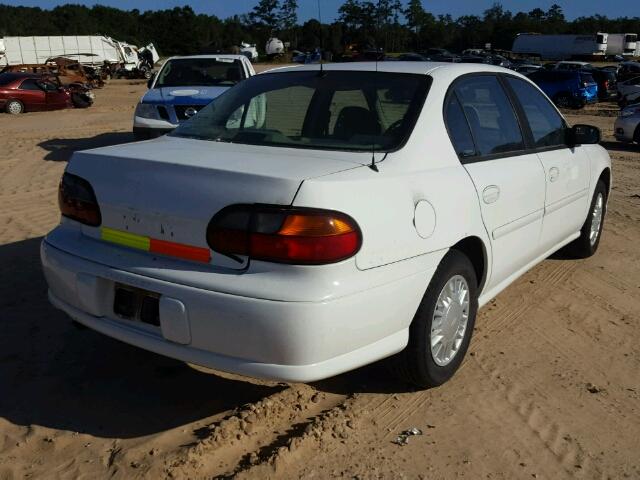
<point>28,92</point>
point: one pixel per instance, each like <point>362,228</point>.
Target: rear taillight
<point>77,200</point>
<point>606,84</point>
<point>284,234</point>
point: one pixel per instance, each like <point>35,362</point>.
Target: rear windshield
<point>587,77</point>
<point>191,72</point>
<point>336,110</point>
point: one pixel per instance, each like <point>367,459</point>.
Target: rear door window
<point>459,129</point>
<point>493,121</point>
<point>30,84</point>
<point>547,126</point>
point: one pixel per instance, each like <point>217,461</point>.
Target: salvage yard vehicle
<point>313,220</point>
<point>627,126</point>
<point>567,89</point>
<point>183,86</point>
<point>629,91</point>
<point>28,92</point>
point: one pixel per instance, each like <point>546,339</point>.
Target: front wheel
<point>441,329</point>
<point>14,107</point>
<point>587,243</point>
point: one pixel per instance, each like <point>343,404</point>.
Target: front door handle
<point>554,173</point>
<point>491,194</point>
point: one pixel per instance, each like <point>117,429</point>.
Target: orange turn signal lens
<point>314,225</point>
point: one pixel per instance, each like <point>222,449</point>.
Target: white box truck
<point>561,47</point>
<point>89,50</point>
<point>622,44</point>
<point>86,49</point>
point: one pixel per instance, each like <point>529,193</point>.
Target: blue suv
<point>182,87</point>
<point>567,89</point>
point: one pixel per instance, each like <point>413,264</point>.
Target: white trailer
<point>86,49</point>
<point>561,47</point>
<point>622,44</point>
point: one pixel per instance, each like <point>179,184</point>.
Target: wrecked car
<point>28,92</point>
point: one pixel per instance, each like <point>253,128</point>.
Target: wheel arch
<point>474,248</point>
<point>605,176</point>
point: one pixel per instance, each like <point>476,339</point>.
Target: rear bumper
<point>291,341</point>
<point>625,128</point>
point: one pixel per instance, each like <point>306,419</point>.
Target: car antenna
<point>373,165</point>
<point>321,74</point>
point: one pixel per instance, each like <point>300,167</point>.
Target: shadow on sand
<point>61,149</point>
<point>55,375</point>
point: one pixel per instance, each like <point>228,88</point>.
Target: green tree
<point>265,14</point>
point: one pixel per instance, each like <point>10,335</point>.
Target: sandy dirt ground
<point>550,387</point>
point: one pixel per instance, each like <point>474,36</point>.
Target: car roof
<point>212,56</point>
<point>18,75</point>
<point>423,68</point>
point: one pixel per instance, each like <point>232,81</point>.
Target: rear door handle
<point>554,173</point>
<point>491,194</point>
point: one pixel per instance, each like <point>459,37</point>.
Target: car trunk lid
<point>168,189</point>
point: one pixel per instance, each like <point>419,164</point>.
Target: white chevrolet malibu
<point>308,221</point>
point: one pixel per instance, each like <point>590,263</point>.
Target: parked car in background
<point>412,57</point>
<point>526,69</point>
<point>474,59</point>
<point>306,224</point>
<point>572,65</point>
<point>627,126</point>
<point>567,89</point>
<point>628,70</point>
<point>182,87</point>
<point>27,92</point>
<point>628,91</point>
<point>607,83</point>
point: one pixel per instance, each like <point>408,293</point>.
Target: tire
<point>563,100</point>
<point>586,245</point>
<point>14,107</point>
<point>417,363</point>
<point>636,135</point>
<point>80,101</point>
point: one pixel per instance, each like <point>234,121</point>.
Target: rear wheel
<point>442,327</point>
<point>636,135</point>
<point>14,107</point>
<point>587,243</point>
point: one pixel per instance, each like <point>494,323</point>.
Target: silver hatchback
<point>627,126</point>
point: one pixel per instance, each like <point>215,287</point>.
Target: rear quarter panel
<point>384,203</point>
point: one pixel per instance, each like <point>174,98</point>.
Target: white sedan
<point>311,221</point>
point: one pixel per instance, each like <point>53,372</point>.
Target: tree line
<point>390,24</point>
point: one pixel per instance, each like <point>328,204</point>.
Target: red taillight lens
<point>77,200</point>
<point>284,235</point>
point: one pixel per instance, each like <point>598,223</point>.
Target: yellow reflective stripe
<point>124,238</point>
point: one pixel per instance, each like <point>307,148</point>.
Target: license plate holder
<point>136,304</point>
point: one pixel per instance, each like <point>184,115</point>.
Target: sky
<point>309,8</point>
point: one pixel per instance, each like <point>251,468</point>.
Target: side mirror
<point>150,81</point>
<point>583,135</point>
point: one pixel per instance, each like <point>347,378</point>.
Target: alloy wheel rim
<point>449,321</point>
<point>596,219</point>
